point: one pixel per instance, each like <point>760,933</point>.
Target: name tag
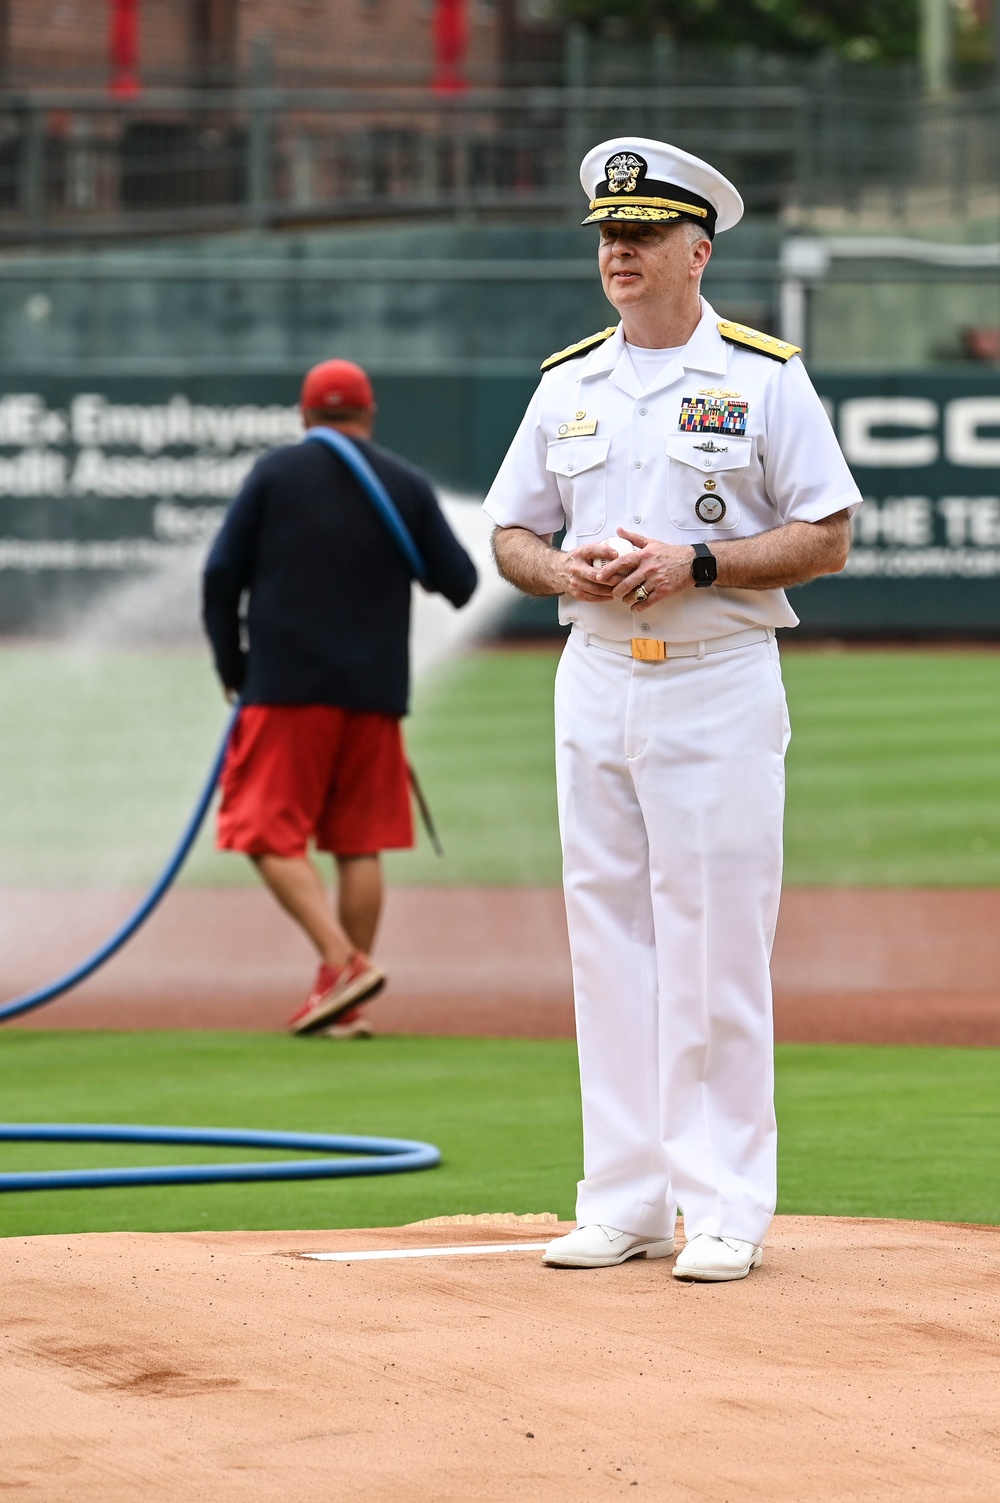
<point>577,429</point>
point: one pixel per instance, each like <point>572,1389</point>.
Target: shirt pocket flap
<point>571,456</point>
<point>710,453</point>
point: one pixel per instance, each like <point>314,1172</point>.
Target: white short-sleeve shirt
<point>597,450</point>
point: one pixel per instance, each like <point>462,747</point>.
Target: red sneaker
<point>352,1024</point>
<point>335,991</point>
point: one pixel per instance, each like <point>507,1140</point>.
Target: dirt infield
<point>851,965</point>
<point>859,1363</point>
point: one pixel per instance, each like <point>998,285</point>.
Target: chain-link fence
<point>74,165</point>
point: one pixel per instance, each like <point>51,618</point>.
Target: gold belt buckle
<point>645,650</point>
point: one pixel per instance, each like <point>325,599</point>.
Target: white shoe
<point>714,1260</point>
<point>603,1247</point>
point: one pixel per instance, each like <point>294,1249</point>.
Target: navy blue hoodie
<point>328,617</point>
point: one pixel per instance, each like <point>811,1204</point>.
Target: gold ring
<point>641,593</point>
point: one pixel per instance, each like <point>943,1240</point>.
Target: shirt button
<point>636,517</point>
<point>572,467</point>
<point>706,462</point>
<point>643,411</point>
<point>637,463</point>
<point>645,626</point>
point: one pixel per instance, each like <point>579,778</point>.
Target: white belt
<point>649,650</point>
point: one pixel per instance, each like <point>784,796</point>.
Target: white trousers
<point>671,794</point>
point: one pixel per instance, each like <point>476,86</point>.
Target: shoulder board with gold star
<point>573,351</point>
<point>753,339</point>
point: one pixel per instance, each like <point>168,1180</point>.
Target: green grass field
<point>893,773</point>
<point>865,1131</point>
<point>894,778</point>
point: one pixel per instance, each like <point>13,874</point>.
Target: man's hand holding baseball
<point>661,569</point>
<point>580,572</point>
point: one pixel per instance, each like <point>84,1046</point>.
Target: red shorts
<point>295,773</point>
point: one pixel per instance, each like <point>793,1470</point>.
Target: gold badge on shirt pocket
<point>578,428</point>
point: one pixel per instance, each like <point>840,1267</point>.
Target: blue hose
<point>121,936</point>
<point>384,1155</point>
<point>377,494</point>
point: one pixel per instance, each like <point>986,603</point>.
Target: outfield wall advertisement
<point>103,478</point>
<point>925,451</point>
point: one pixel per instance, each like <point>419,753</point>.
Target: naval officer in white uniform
<point>696,474</point>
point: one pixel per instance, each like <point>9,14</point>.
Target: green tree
<point>867,30</point>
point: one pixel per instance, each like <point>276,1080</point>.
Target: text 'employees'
<point>90,419</point>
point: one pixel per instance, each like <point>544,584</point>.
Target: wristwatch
<point>704,566</point>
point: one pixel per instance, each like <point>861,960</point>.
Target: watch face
<point>710,508</point>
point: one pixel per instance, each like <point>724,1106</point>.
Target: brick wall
<point>60,41</point>
<point>316,42</point>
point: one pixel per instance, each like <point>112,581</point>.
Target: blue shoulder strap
<point>377,493</point>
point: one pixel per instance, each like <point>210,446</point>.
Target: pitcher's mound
<point>861,1362</point>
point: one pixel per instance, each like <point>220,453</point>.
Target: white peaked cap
<point>637,180</point>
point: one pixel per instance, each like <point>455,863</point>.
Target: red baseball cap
<point>335,384</point>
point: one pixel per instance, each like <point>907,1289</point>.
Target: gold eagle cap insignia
<point>623,172</point>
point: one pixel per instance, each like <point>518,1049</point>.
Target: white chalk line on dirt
<point>427,1252</point>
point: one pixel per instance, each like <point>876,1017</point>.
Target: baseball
<point>620,545</point>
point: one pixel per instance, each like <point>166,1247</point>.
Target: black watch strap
<point>704,566</point>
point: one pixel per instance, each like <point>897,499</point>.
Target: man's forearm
<point>221,615</point>
<point>788,555</point>
<point>528,561</point>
